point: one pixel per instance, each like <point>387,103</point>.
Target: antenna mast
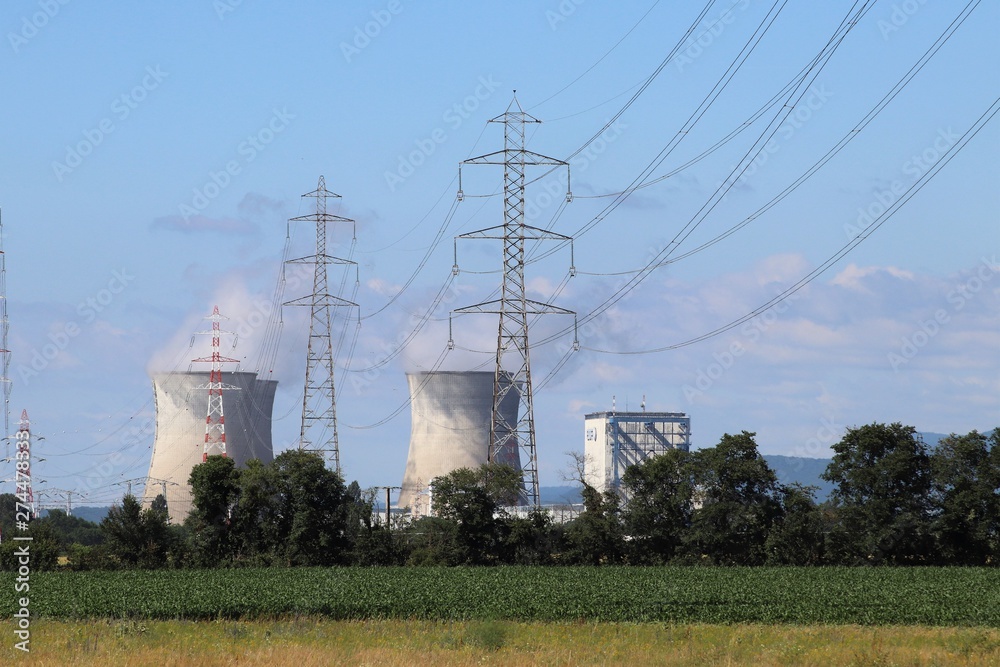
<point>215,423</point>
<point>319,399</point>
<point>514,307</point>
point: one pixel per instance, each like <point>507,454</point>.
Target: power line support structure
<point>513,367</point>
<point>67,494</point>
<point>215,422</point>
<point>318,432</point>
<point>143,481</point>
<point>4,350</point>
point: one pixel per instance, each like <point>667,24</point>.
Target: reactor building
<point>451,413</point>
<point>616,440</point>
<point>181,411</point>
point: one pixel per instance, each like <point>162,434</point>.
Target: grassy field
<point>797,596</point>
<point>306,642</point>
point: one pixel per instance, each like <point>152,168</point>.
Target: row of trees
<point>894,501</point>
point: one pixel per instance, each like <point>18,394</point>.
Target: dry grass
<point>306,642</point>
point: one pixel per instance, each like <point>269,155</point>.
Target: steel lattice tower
<point>215,422</point>
<point>4,351</point>
<point>319,400</point>
<point>513,367</point>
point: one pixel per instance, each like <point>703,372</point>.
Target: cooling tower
<point>181,409</point>
<point>450,429</point>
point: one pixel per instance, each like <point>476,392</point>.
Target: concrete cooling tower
<point>450,429</point>
<point>181,409</point>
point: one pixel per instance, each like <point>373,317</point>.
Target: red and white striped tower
<point>215,422</point>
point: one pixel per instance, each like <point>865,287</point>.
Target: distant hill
<point>788,468</point>
<point>807,471</point>
<point>560,495</point>
<point>94,514</point>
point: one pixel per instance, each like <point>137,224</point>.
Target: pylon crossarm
<point>495,233</point>
<point>497,306</point>
<point>320,259</point>
<point>542,234</point>
<point>321,300</point>
<point>321,217</point>
<point>487,158</point>
<point>219,385</point>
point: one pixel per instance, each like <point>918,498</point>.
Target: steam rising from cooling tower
<point>180,430</point>
<point>451,414</point>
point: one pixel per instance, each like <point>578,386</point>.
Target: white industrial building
<point>616,440</point>
<point>181,411</point>
<point>451,413</point>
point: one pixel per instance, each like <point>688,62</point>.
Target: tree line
<point>895,501</point>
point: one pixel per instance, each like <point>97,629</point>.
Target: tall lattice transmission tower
<point>513,367</point>
<point>215,422</point>
<point>4,350</point>
<point>319,399</point>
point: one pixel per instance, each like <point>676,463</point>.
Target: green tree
<point>371,538</point>
<point>737,499</point>
<point>255,520</point>
<point>310,510</point>
<point>659,508</point>
<point>472,498</point>
<point>215,488</point>
<point>798,536</point>
<point>966,491</point>
<point>72,529</point>
<point>432,541</point>
<point>881,498</point>
<point>136,537</point>
<point>532,540</point>
<point>44,548</point>
<point>597,536</point>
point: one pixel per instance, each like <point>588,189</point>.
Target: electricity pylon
<point>513,367</point>
<point>215,422</point>
<point>319,400</point>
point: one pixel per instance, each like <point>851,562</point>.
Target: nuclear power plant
<point>615,440</point>
<point>450,421</point>
<point>178,446</point>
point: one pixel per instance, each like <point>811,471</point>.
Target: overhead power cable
<point>794,98</point>
<point>867,231</point>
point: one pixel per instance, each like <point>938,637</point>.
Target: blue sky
<point>152,154</point>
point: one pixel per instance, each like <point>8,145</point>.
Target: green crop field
<point>861,596</point>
